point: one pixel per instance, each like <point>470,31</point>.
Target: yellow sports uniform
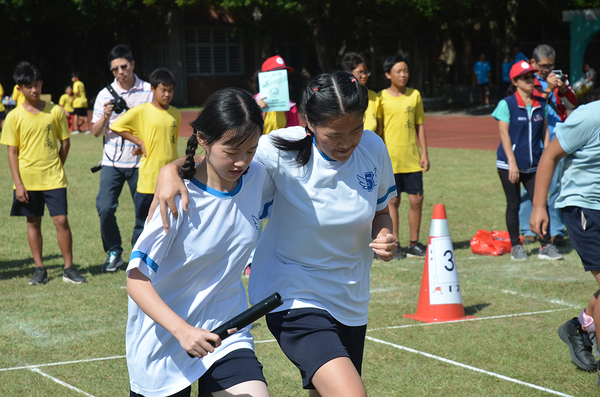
<point>17,96</point>
<point>65,102</point>
<point>79,100</point>
<point>36,136</point>
<point>274,121</point>
<point>159,130</point>
<point>2,108</point>
<point>400,116</point>
<point>373,112</point>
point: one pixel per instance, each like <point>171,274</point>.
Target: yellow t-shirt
<point>17,96</point>
<point>373,112</point>
<point>36,136</point>
<point>65,102</point>
<point>400,116</point>
<point>274,121</point>
<point>80,100</point>
<point>159,130</point>
<point>2,108</point>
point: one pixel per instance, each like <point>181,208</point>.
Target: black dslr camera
<point>119,103</point>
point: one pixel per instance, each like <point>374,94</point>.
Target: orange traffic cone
<point>440,298</point>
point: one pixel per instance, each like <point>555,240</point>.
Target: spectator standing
<point>277,120</point>
<point>403,132</point>
<point>80,105</point>
<point>552,88</point>
<point>119,163</point>
<point>154,127</point>
<point>354,63</point>
<point>482,77</point>
<point>506,65</point>
<point>523,126</point>
<point>65,102</point>
<point>519,56</point>
<point>31,133</point>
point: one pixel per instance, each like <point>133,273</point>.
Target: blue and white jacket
<point>526,131</point>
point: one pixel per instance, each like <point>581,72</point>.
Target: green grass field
<point>68,340</point>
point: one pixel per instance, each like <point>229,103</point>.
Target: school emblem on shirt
<point>47,130</point>
<point>369,181</point>
<point>538,117</point>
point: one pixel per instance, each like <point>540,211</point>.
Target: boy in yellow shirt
<point>31,133</point>
<point>403,117</point>
<point>154,127</point>
<point>65,102</point>
<point>80,104</point>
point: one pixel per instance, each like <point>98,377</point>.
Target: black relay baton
<point>246,317</point>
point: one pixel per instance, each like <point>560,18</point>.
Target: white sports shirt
<point>196,269</point>
<point>315,249</point>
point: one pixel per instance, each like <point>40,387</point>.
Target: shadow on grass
<point>474,309</point>
<point>22,267</point>
<point>459,245</point>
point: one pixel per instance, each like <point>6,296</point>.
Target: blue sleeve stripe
<point>146,259</point>
<point>265,210</point>
<point>390,190</point>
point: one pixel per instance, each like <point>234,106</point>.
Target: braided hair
<point>231,115</point>
<point>327,97</point>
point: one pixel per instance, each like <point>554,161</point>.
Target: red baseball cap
<point>520,68</point>
<point>275,63</point>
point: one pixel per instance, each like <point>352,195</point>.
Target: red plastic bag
<point>491,243</point>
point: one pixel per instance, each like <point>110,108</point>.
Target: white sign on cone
<point>443,277</point>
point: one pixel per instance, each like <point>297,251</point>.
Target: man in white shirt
<point>121,158</point>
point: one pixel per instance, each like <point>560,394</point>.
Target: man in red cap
<point>277,120</point>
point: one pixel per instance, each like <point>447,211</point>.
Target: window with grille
<point>212,52</point>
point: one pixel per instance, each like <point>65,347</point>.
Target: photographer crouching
<point>121,158</point>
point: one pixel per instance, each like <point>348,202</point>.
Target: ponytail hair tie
<point>308,134</point>
<point>353,80</point>
<point>315,89</point>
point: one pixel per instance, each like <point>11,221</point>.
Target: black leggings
<point>513,203</point>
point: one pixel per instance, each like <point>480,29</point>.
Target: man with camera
<point>121,158</point>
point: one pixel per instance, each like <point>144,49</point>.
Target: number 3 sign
<point>443,277</point>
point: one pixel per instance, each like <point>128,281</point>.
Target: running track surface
<point>443,131</point>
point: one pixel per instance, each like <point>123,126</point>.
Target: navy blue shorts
<point>583,226</point>
<point>55,200</point>
<point>2,115</point>
<point>81,112</point>
<point>142,202</point>
<point>312,337</point>
<point>410,183</point>
<point>237,367</point>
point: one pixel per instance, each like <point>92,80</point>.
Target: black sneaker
<point>40,276</point>
<point>575,337</point>
<point>71,275</point>
<point>416,250</point>
<point>113,262</point>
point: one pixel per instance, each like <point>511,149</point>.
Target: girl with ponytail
<point>329,217</point>
<point>185,281</point>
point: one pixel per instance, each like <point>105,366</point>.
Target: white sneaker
<point>75,132</point>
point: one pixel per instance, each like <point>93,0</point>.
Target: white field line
<point>89,360</point>
<point>60,382</point>
<point>445,360</point>
<point>467,319</point>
